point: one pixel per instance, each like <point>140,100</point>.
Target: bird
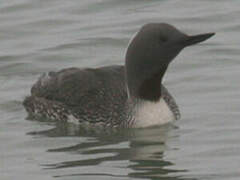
<point>117,96</point>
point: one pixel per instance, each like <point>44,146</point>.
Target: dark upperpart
<point>149,54</point>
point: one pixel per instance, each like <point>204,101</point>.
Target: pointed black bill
<point>191,40</point>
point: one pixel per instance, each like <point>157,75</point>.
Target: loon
<point>116,96</point>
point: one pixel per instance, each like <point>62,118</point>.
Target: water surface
<point>40,36</point>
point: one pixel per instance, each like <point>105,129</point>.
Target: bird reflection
<point>143,149</point>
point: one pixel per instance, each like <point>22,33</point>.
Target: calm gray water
<point>41,35</point>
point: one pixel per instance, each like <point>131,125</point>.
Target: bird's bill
<point>191,40</point>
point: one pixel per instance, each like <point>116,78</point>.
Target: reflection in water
<point>142,150</point>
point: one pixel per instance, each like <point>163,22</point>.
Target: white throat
<point>152,113</point>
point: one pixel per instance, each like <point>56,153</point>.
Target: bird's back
<point>87,95</point>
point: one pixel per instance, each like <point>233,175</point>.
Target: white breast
<point>152,113</point>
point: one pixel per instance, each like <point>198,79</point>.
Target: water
<point>39,36</point>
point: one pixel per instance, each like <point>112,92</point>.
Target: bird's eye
<point>163,39</point>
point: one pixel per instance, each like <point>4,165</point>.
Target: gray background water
<point>41,35</point>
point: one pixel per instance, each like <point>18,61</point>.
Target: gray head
<point>149,54</point>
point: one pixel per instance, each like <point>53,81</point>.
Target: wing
<point>75,86</point>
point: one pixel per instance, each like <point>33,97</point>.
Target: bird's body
<point>116,96</point>
<point>96,97</point>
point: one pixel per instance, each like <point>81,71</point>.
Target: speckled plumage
<point>95,97</point>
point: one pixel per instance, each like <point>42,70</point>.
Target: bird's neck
<point>147,86</point>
